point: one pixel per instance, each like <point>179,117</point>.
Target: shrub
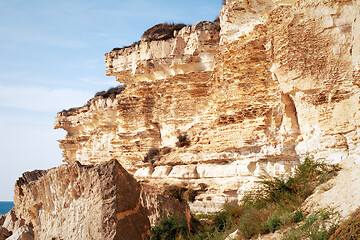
<point>276,204</point>
<point>151,154</point>
<point>170,228</point>
<point>155,154</point>
<point>161,31</point>
<point>228,216</point>
<point>182,141</point>
<point>111,93</point>
<point>297,216</point>
<point>274,222</point>
<point>181,193</point>
<point>296,188</point>
<point>313,227</point>
<point>350,229</point>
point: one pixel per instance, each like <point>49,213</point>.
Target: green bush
<point>274,222</point>
<point>170,228</point>
<point>296,188</point>
<point>228,216</point>
<point>313,227</point>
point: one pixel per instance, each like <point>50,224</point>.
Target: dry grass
<point>350,229</point>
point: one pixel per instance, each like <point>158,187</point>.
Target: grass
<point>276,205</point>
<point>170,228</point>
<point>314,227</point>
<point>350,229</point>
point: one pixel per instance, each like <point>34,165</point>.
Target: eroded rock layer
<point>191,49</point>
<point>212,112</point>
<point>82,202</point>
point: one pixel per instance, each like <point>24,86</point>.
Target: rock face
<point>23,233</point>
<point>212,111</point>
<point>81,202</point>
<point>158,205</point>
<point>191,49</point>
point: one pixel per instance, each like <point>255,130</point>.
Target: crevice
<point>291,112</point>
<point>129,212</point>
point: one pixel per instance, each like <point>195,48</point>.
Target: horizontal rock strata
<point>191,49</point>
<point>218,107</point>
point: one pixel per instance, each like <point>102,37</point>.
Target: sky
<point>52,58</point>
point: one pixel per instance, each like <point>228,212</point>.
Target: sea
<point>5,207</point>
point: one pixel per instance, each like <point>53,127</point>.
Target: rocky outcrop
<point>213,110</point>
<point>23,233</point>
<point>81,202</point>
<point>159,205</point>
<point>190,49</point>
<point>4,233</point>
<point>340,194</point>
<point>12,227</point>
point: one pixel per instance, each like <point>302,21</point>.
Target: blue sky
<point>52,58</point>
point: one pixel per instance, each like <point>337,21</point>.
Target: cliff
<point>208,108</point>
<point>278,82</point>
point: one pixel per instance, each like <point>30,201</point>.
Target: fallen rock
<point>237,235</point>
<point>74,201</point>
<point>2,219</point>
<point>23,233</point>
<point>4,233</point>
<point>10,221</point>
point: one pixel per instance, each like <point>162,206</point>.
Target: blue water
<point>5,207</point>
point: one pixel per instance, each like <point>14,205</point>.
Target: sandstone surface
<point>158,205</point>
<point>219,107</point>
<point>81,202</point>
<point>340,194</point>
<point>191,49</point>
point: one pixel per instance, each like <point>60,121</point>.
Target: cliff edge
<point>278,81</point>
<point>207,108</point>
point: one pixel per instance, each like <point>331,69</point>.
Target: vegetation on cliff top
<point>161,31</point>
<point>276,205</point>
<point>111,92</point>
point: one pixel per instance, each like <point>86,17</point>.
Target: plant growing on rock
<point>181,193</point>
<point>111,92</point>
<point>350,229</point>
<point>183,140</point>
<point>161,31</point>
<point>155,154</point>
<point>275,206</point>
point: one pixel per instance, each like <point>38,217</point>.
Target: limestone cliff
<point>208,108</point>
<point>219,106</point>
